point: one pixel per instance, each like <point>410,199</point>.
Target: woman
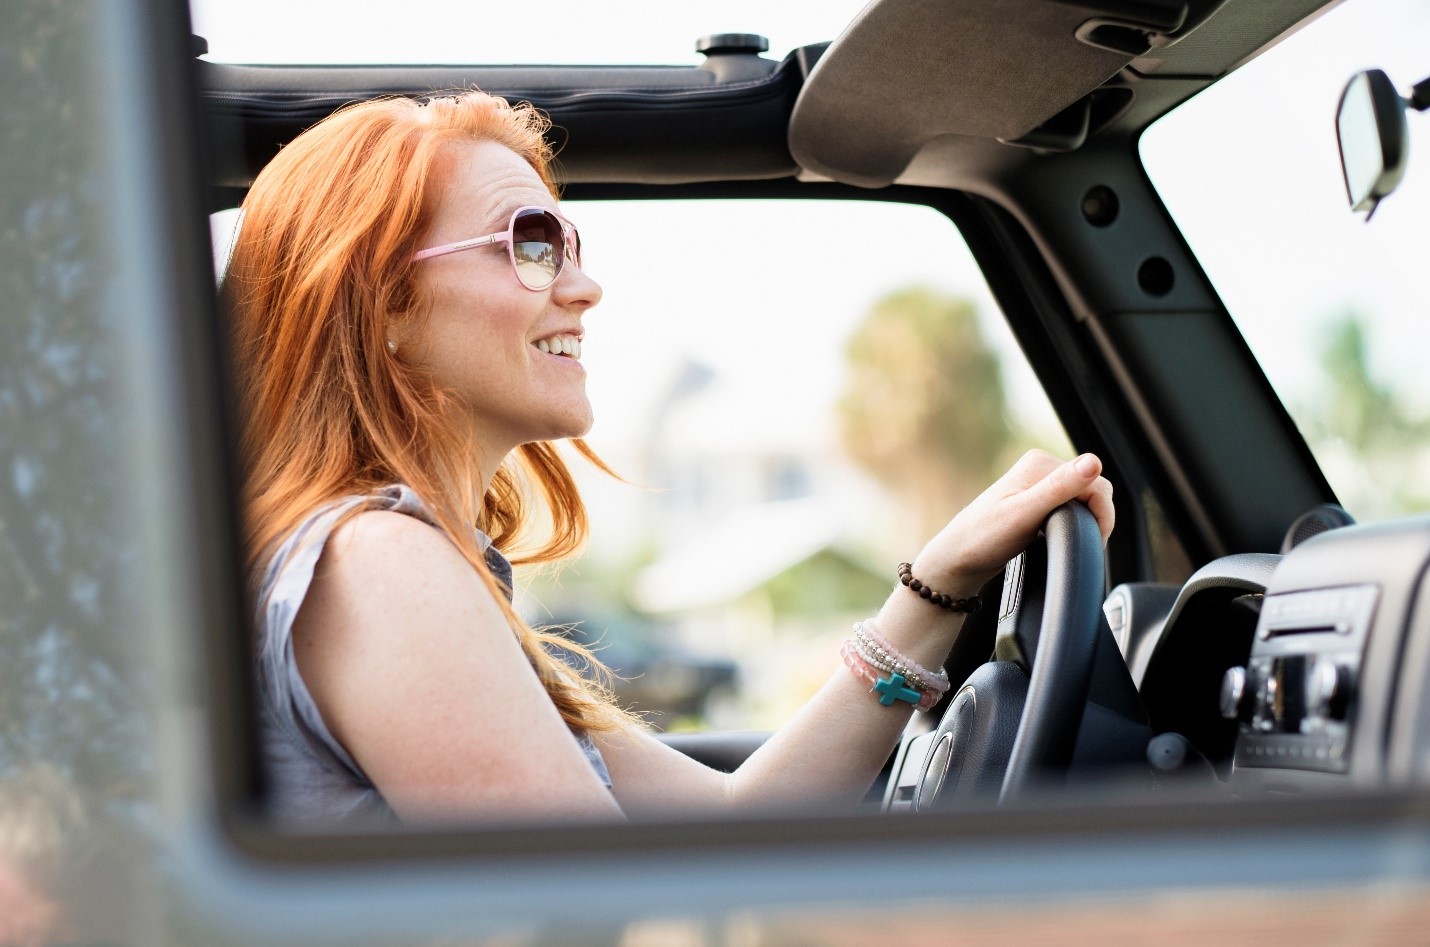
<point>409,306</point>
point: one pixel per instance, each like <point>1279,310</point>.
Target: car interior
<point>1294,657</point>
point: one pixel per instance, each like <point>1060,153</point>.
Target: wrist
<point>951,581</point>
<point>918,628</point>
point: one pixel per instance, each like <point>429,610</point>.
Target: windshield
<point>1336,309</point>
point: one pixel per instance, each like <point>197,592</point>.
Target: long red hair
<point>321,267</point>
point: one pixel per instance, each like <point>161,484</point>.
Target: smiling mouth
<point>567,346</point>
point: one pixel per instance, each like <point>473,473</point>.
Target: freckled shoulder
<point>391,595</point>
<point>395,551</point>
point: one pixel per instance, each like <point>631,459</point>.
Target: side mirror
<point>1374,139</point>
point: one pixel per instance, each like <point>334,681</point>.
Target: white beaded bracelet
<point>884,661</point>
<point>877,650</point>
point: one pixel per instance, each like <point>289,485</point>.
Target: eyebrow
<point>507,208</point>
<point>502,217</point>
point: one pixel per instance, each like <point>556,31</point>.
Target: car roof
<point>888,101</point>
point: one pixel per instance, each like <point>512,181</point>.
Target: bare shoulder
<point>417,673</point>
<point>383,572</point>
<point>391,541</point>
<point>392,556</point>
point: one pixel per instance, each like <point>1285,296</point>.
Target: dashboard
<point>1297,672</point>
<point>1262,673</point>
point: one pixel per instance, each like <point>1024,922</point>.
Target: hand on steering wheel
<point>1007,729</point>
<point>1006,517</point>
<point>1035,502</point>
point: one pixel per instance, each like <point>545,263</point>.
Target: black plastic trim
<point>1185,662</point>
<point>655,124</point>
<point>1077,382</point>
<point>208,414</point>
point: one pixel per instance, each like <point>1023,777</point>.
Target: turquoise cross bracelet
<point>892,688</point>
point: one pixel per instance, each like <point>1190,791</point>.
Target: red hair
<point>320,269</point>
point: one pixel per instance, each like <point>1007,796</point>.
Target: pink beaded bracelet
<point>891,688</point>
<point>926,679</point>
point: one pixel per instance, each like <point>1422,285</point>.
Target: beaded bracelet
<point>890,689</point>
<point>882,661</point>
<point>968,605</point>
<point>877,650</point>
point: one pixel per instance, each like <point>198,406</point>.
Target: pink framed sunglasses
<point>538,243</point>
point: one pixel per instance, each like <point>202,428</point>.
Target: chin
<point>580,430</point>
<point>573,423</point>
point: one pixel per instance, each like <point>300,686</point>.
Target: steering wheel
<point>1013,724</point>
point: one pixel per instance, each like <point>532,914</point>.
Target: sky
<point>633,32</point>
<point>1248,169</point>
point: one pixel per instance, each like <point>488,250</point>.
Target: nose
<point>574,289</point>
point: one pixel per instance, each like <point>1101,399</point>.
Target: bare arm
<point>418,675</point>
<point>834,747</point>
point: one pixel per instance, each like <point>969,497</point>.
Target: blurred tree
<point>924,409</point>
<point>1361,429</point>
<point>1359,411</point>
<point>829,583</point>
<point>69,699</point>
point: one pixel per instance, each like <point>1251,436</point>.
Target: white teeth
<point>567,345</point>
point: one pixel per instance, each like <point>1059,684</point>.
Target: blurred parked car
<point>664,683</point>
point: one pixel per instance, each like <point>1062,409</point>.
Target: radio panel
<point>1295,699</point>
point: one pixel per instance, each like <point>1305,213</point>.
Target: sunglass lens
<point>537,248</point>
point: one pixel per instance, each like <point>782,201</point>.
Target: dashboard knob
<point>1233,694</point>
<point>1328,687</point>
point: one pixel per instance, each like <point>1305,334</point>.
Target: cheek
<point>476,341</point>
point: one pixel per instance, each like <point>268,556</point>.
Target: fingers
<point>1031,468</point>
<point>1067,481</point>
<point>1098,498</point>
<point>1077,479</point>
<point>1004,518</point>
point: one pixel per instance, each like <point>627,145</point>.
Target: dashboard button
<point>1328,686</point>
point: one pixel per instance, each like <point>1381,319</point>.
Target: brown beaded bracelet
<point>969,605</point>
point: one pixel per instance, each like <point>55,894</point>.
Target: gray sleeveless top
<point>310,776</point>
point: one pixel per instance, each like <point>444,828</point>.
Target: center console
<point>1295,698</point>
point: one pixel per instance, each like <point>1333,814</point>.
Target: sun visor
<point>1022,72</point>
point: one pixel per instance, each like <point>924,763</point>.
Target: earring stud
<point>392,346</point>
